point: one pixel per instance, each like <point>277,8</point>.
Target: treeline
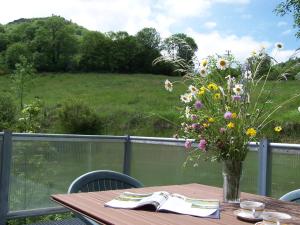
<point>54,44</point>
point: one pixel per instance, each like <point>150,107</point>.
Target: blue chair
<point>293,196</point>
<point>101,180</point>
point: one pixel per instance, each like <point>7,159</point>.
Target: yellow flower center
<point>222,63</point>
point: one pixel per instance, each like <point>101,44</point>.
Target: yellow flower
<point>205,125</point>
<point>204,62</point>
<point>230,125</point>
<point>251,132</point>
<point>217,96</point>
<point>201,91</point>
<point>211,120</point>
<point>278,129</point>
<point>233,115</point>
<point>212,87</point>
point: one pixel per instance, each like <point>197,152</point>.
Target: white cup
<point>253,208</point>
<point>274,218</point>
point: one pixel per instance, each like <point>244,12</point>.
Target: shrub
<point>30,117</point>
<point>7,112</point>
<point>76,117</point>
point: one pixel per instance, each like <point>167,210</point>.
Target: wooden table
<point>92,205</point>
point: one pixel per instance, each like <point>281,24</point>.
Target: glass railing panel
<point>42,168</point>
<point>155,164</point>
<point>285,172</point>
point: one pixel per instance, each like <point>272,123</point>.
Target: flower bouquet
<point>225,106</point>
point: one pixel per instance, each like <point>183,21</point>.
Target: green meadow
<point>136,104</point>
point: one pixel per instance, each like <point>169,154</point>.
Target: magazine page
<point>189,206</point>
<point>129,200</point>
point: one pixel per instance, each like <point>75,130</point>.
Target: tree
<point>95,50</point>
<point>124,50</point>
<point>14,52</point>
<point>3,41</point>
<point>290,6</point>
<point>21,77</point>
<point>180,45</point>
<point>150,45</point>
<point>55,44</point>
<point>149,38</point>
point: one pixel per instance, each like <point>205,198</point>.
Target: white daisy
<point>187,112</point>
<point>193,90</point>
<point>222,64</point>
<point>186,98</point>
<point>248,75</point>
<point>203,72</point>
<point>238,89</point>
<point>279,45</point>
<point>299,108</point>
<point>168,86</point>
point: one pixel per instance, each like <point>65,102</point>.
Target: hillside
<point>131,104</point>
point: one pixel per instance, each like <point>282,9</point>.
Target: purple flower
<point>188,144</point>
<point>194,117</point>
<point>195,126</point>
<point>228,115</point>
<point>236,97</point>
<point>202,144</point>
<point>222,130</point>
<point>198,104</point>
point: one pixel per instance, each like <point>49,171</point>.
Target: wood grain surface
<point>92,205</point>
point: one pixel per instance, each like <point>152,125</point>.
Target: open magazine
<point>164,201</point>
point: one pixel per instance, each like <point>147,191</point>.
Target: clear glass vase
<point>232,173</point>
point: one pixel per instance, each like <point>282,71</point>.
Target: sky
<point>241,26</point>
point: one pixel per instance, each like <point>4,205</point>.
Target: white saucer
<point>280,215</point>
<point>246,216</point>
<point>283,216</point>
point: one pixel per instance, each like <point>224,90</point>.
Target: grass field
<point>132,104</point>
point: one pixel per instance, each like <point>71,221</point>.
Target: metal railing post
<point>5,158</point>
<point>127,156</point>
<point>265,168</point>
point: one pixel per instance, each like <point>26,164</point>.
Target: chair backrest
<point>101,180</point>
<point>293,196</point>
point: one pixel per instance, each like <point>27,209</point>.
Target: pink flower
<point>194,117</point>
<point>198,104</point>
<point>188,144</point>
<point>236,97</point>
<point>202,144</point>
<point>222,130</point>
<point>195,126</point>
<point>228,115</point>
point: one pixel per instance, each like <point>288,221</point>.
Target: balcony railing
<point>34,166</point>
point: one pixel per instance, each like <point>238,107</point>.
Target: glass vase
<point>232,172</point>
